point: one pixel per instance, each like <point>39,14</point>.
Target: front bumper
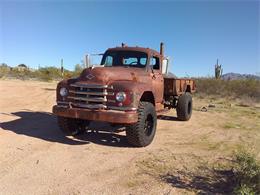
<point>112,116</point>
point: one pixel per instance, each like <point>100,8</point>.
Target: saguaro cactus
<point>218,70</point>
<point>61,68</point>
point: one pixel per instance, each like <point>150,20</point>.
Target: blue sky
<point>195,33</point>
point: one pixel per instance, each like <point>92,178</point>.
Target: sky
<point>195,33</point>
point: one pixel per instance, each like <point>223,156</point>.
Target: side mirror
<point>87,61</point>
<point>92,60</point>
<point>165,64</point>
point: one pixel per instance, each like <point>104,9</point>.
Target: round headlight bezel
<point>120,96</point>
<point>63,91</point>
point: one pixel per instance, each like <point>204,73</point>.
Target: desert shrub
<point>246,173</point>
<point>16,73</point>
<point>244,190</point>
<point>4,69</point>
<point>69,74</point>
<point>78,68</point>
<point>231,88</point>
<point>49,73</point>
<point>42,73</point>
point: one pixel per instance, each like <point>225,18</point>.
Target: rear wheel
<point>184,107</point>
<point>142,133</point>
<point>72,126</point>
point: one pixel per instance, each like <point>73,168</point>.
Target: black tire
<point>142,133</point>
<point>184,107</point>
<point>71,126</point>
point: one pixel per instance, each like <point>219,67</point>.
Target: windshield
<point>124,58</point>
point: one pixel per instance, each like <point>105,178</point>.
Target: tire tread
<point>182,112</point>
<point>134,133</point>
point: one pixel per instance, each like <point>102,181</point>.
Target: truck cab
<point>128,87</point>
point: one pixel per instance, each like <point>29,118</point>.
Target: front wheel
<point>184,107</point>
<point>72,126</point>
<point>142,133</point>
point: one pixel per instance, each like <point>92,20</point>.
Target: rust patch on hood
<point>106,75</point>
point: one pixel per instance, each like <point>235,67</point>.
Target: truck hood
<point>106,75</point>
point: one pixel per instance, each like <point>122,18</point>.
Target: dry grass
<point>246,171</point>
<point>211,161</point>
<point>231,125</point>
<point>247,90</point>
<point>239,174</point>
<point>43,73</point>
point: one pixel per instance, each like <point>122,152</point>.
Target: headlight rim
<point>64,93</point>
<point>123,94</point>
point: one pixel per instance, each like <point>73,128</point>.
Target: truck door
<point>157,79</point>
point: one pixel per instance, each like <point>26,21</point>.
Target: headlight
<point>63,92</point>
<point>120,96</point>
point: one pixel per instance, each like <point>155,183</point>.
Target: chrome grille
<point>89,95</point>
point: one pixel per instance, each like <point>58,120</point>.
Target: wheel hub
<point>148,125</point>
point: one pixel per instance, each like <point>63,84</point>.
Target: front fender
<point>135,88</point>
<point>64,83</point>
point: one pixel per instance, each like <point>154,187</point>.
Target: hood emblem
<point>90,76</point>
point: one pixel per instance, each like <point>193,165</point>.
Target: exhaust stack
<point>162,48</point>
<point>87,60</point>
<point>123,45</point>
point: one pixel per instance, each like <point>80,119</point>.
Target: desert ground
<point>36,158</point>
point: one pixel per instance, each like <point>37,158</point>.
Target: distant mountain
<point>237,76</point>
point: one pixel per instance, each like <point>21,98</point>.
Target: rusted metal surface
<point>141,49</point>
<point>97,115</point>
<point>92,95</point>
<point>176,87</point>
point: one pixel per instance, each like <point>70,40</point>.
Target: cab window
<point>130,61</point>
<point>108,61</point>
<point>125,58</point>
<point>155,63</point>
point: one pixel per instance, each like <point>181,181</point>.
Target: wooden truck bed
<point>176,86</point>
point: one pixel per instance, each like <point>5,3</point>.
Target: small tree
<point>78,68</point>
<point>22,66</point>
<point>3,65</point>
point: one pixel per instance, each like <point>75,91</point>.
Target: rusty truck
<point>131,87</point>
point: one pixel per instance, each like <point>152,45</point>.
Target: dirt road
<point>36,158</point>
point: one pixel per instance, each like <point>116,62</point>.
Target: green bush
<point>78,68</point>
<point>49,73</point>
<point>246,173</point>
<point>244,190</point>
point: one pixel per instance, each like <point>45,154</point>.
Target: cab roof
<point>140,49</point>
